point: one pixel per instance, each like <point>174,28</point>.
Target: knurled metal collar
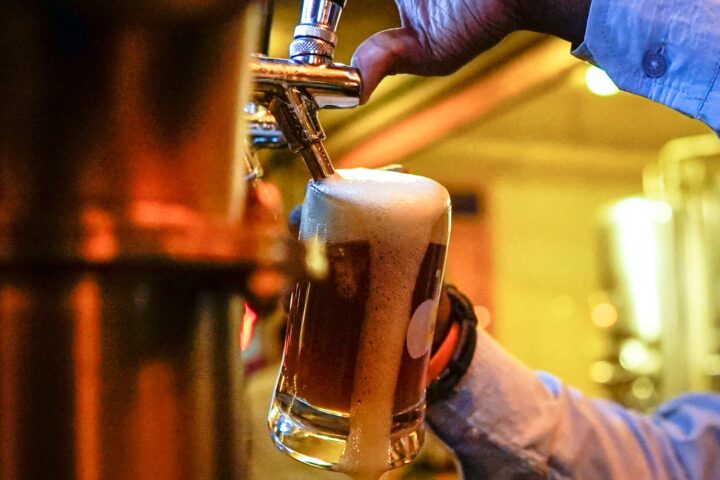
<point>306,30</point>
<point>311,46</point>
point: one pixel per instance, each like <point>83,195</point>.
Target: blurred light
<point>265,283</point>
<point>604,315</point>
<point>563,307</point>
<point>316,260</point>
<point>597,297</point>
<point>269,196</point>
<point>100,242</point>
<point>637,357</point>
<point>633,355</point>
<point>598,82</point>
<point>662,212</point>
<point>247,327</point>
<point>643,388</point>
<point>712,365</point>
<point>284,426</point>
<point>156,214</point>
<point>602,372</point>
<point>483,316</point>
<point>638,249</point>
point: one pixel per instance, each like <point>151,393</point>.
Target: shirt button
<point>654,64</point>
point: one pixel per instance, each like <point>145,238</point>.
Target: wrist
<point>451,359</point>
<point>566,19</point>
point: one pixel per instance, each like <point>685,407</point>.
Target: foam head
<point>363,204</point>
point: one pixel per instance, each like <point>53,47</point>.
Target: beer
<point>350,394</point>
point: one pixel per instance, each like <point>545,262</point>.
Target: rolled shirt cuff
<point>665,50</point>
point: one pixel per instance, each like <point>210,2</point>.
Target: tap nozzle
<point>296,113</point>
<point>294,90</point>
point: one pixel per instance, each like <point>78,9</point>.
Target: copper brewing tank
<point>123,250</point>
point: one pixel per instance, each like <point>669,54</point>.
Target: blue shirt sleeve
<point>505,421</point>
<point>692,424</point>
<point>665,50</point>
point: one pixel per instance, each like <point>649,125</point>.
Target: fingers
<point>387,53</point>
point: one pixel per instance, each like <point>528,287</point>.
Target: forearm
<point>479,419</point>
<point>501,419</point>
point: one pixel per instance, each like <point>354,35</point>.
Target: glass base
<point>317,437</point>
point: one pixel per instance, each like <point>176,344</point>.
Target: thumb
<point>389,52</point>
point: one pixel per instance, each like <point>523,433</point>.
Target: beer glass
<point>350,394</point>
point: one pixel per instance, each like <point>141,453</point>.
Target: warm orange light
<point>266,283</point>
<point>86,307</point>
<point>154,423</point>
<point>162,215</point>
<point>100,241</point>
<point>269,195</point>
<point>247,327</point>
<point>13,307</point>
<point>483,316</point>
<point>604,315</point>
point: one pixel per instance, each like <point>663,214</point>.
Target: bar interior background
<point>550,181</point>
<point>584,229</point>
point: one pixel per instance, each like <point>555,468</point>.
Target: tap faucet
<point>294,90</point>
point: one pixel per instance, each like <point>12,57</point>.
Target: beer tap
<point>294,90</point>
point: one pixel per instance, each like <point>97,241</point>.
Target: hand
<point>439,36</point>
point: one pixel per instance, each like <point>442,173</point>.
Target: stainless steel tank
<point>124,251</point>
<point>662,272</point>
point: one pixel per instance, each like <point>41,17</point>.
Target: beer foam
<point>361,204</point>
<point>399,215</point>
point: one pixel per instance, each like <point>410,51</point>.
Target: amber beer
<point>351,386</point>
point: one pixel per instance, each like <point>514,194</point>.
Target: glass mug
<point>350,394</point>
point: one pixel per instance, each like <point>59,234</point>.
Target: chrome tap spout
<point>295,89</point>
